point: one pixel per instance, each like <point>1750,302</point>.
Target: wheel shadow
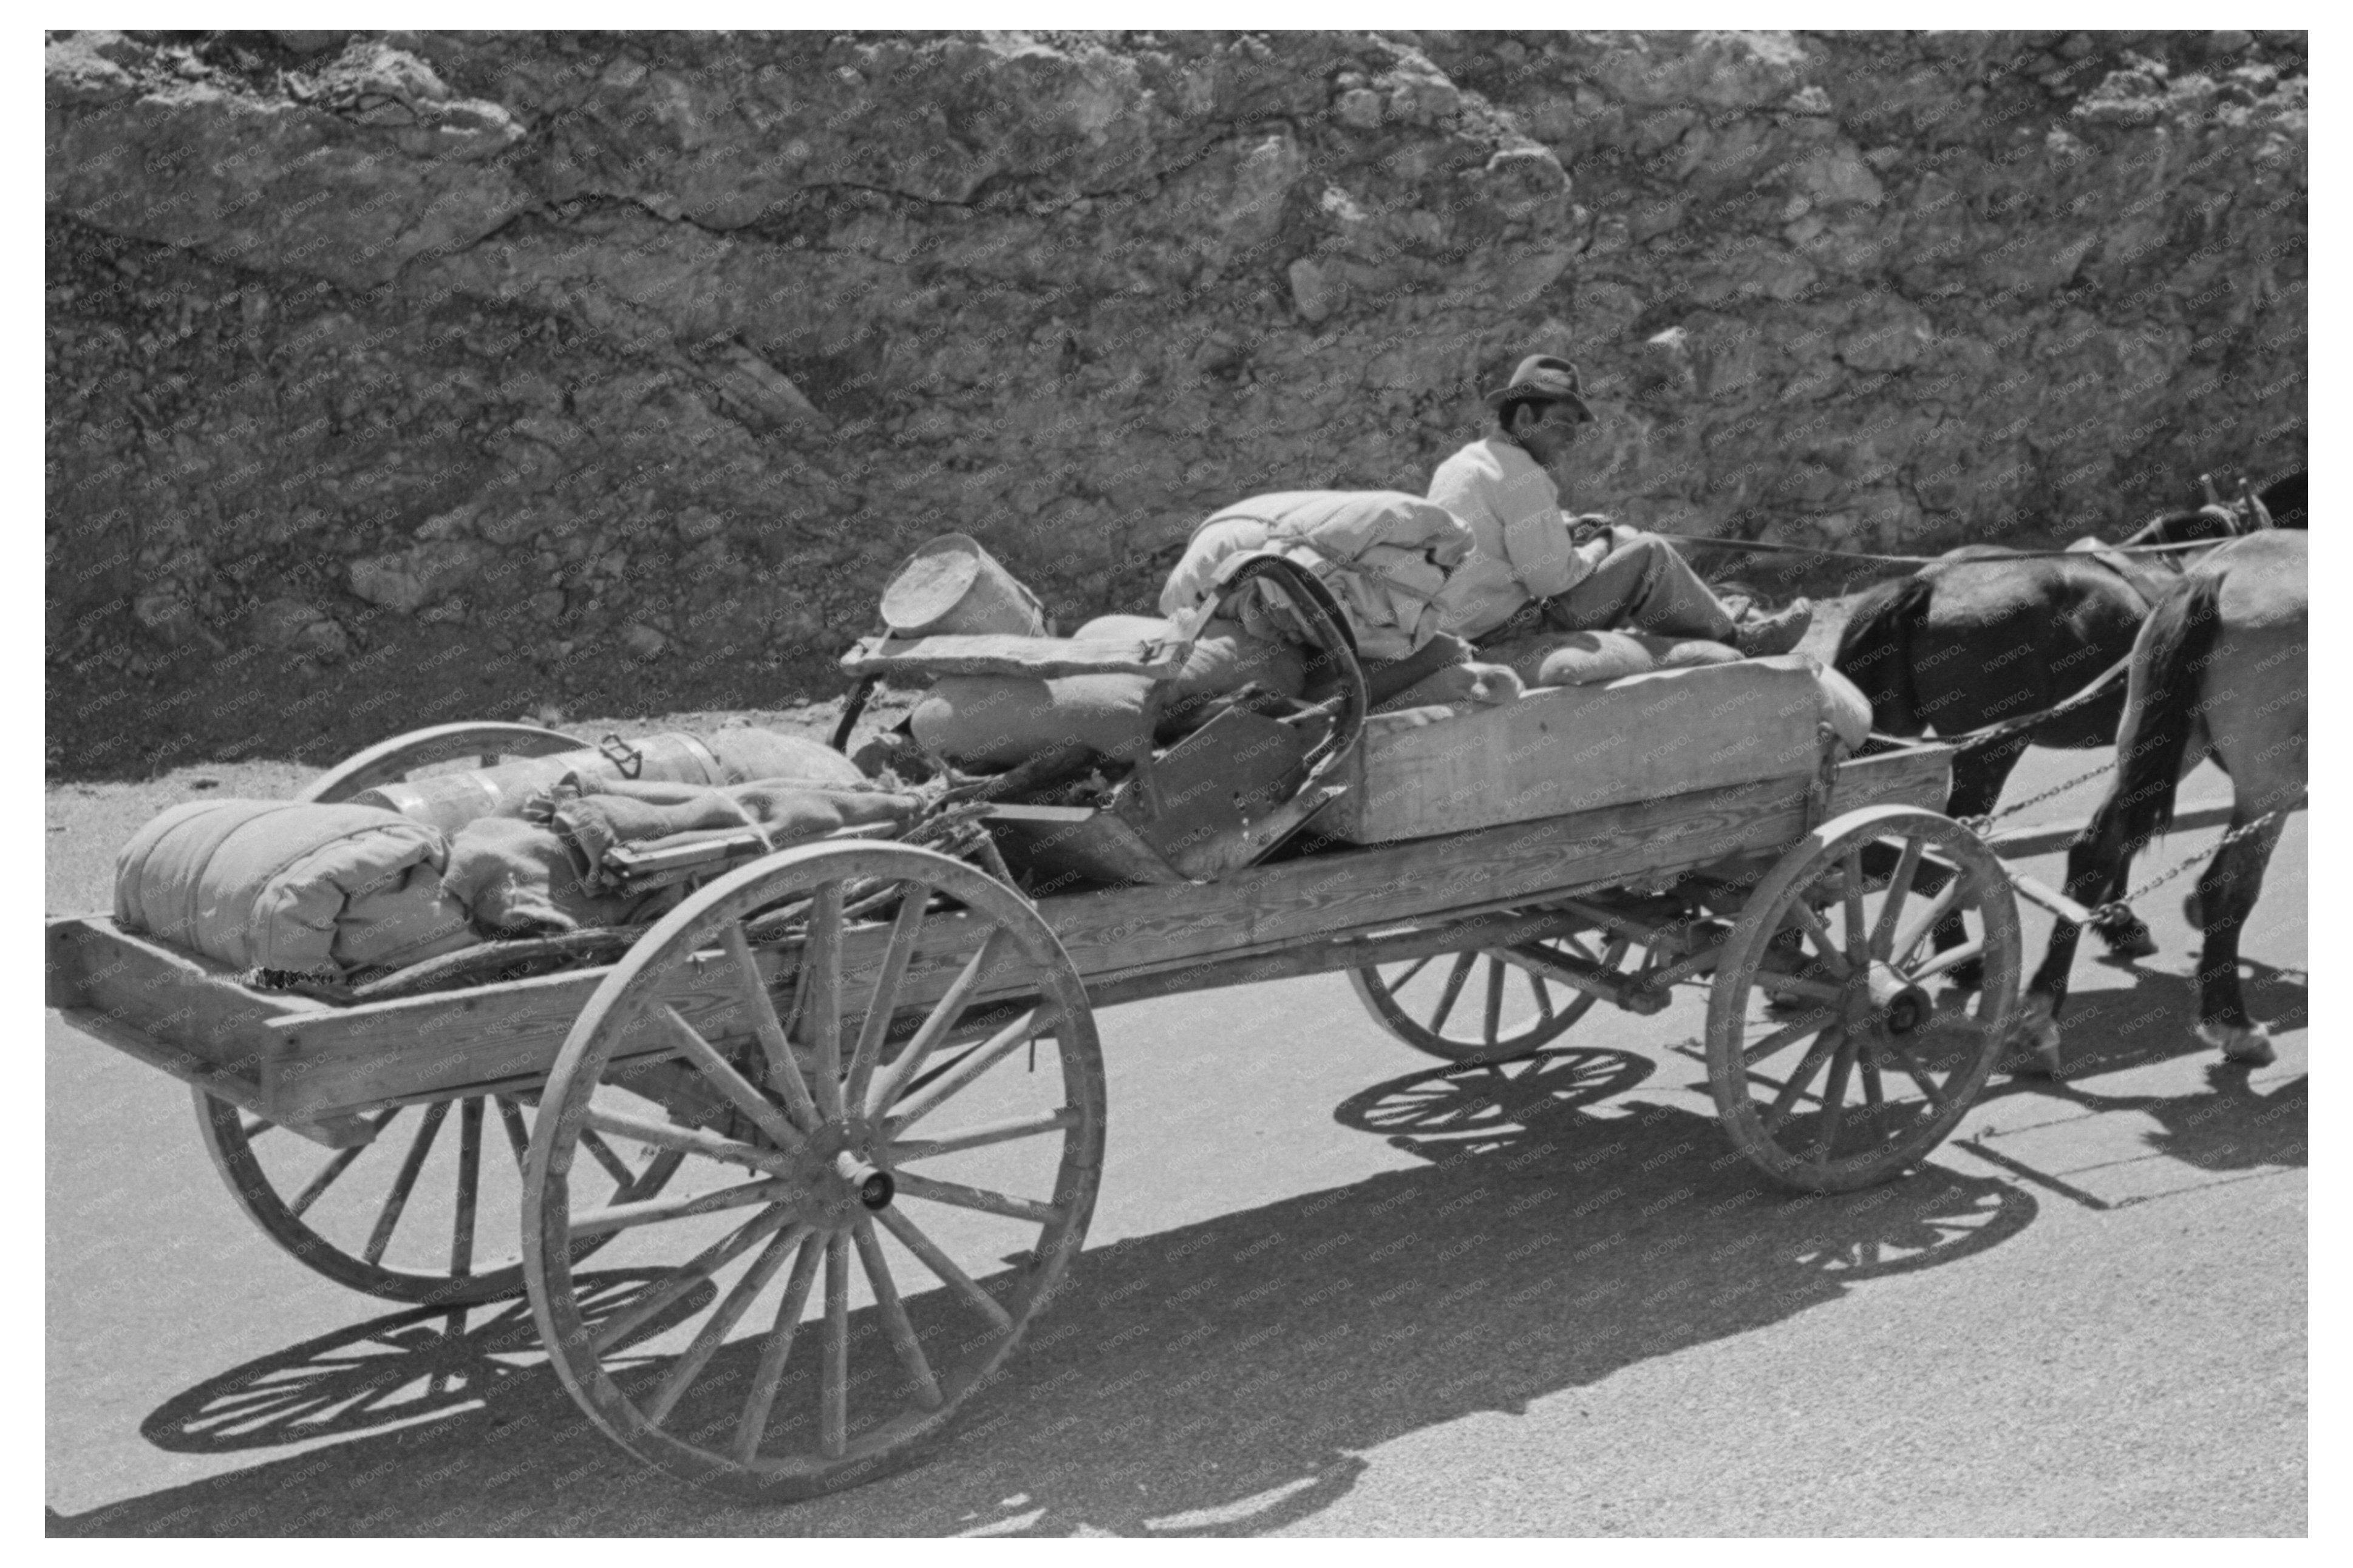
<point>1217,1379</point>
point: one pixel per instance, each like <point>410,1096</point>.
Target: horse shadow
<point>1216,1379</point>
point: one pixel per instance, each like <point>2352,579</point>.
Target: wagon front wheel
<point>1840,1050</point>
<point>882,1071</point>
<point>1490,1005</point>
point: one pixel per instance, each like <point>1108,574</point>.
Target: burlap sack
<point>1589,658</point>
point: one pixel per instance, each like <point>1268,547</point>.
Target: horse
<point>2217,670</point>
<point>1986,634</point>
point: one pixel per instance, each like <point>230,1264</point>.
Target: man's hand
<point>1590,526</point>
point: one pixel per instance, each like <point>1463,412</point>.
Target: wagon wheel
<point>281,1185</point>
<point>1888,1066</point>
<point>400,1217</point>
<point>396,759</point>
<point>1484,1006</point>
<point>818,1061</point>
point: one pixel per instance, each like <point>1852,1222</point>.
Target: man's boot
<point>1777,633</point>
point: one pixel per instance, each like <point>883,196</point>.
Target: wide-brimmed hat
<point>1542,378</point>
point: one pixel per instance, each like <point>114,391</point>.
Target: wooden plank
<point>195,1005</point>
<point>338,1060</point>
<point>1576,748</point>
<point>1037,658</point>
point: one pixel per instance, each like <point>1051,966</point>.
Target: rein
<point>1762,546</point>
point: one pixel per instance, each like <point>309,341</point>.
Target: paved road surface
<point>1331,1296</point>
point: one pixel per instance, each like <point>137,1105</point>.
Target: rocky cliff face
<point>401,377</point>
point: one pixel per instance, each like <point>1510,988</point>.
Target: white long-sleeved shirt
<point>1522,548</point>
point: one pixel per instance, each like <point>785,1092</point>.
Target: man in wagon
<point>1528,573</point>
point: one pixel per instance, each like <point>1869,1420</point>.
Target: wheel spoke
<point>250,1130</point>
<point>958,1195</point>
<point>686,1139</point>
<point>833,1384</point>
<point>1874,1094</point>
<point>655,1211</point>
<point>1831,953</point>
<point>697,1355</point>
<point>1911,1065</point>
<point>753,1424</point>
<point>821,976</point>
<point>1821,1052</point>
<point>1906,865</point>
<point>388,1217</point>
<point>894,1314</point>
<point>1834,1097</point>
<point>1787,1034</point>
<point>729,1082</point>
<point>987,1055</point>
<point>883,1003</point>
<point>1918,928</point>
<point>991,1132</point>
<point>1858,930</point>
<point>935,1026</point>
<point>1399,983</point>
<point>469,1182</point>
<point>783,1071</point>
<point>1798,985</point>
<point>1446,998</point>
<point>1491,1025</point>
<point>338,1165</point>
<point>518,1136</point>
<point>1543,994</point>
<point>615,1167</point>
<point>686,1276</point>
<point>1950,958</point>
<point>896,1222</point>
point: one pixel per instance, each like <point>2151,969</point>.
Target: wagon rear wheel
<point>418,1214</point>
<point>403,1220</point>
<point>1839,1050</point>
<point>893,1128</point>
<point>388,762</point>
<point>1488,1005</point>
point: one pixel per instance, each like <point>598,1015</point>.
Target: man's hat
<point>1542,378</point>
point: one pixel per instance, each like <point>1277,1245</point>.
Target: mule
<point>1988,634</point>
<point>2217,670</point>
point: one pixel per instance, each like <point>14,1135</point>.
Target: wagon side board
<point>331,1060</point>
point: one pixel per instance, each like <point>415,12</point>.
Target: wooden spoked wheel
<point>360,1216</point>
<point>391,760</point>
<point>1872,1056</point>
<point>402,1217</point>
<point>893,1128</point>
<point>1487,1005</point>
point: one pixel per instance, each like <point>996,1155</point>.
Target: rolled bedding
<point>291,887</point>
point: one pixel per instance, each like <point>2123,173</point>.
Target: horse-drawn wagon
<point>857,1084</point>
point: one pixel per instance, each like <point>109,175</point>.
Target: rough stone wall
<point>401,377</point>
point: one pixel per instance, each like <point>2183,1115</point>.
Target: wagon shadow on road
<point>1224,1378</point>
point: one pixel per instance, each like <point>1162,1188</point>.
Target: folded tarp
<point>290,885</point>
<point>546,873</point>
<point>1384,554</point>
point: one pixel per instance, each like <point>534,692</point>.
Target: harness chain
<point>2117,913</point>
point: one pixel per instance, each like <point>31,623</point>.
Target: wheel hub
<point>1887,998</point>
<point>836,1178</point>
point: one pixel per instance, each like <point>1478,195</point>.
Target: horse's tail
<point>2170,657</point>
<point>1875,651</point>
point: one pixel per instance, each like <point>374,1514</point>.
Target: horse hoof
<point>1969,976</point>
<point>2249,1043</point>
<point>2035,1041</point>
<point>2131,941</point>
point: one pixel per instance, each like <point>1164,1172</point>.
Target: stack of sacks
<point>1589,658</point>
<point>1384,554</point>
<point>995,722</point>
<point>321,891</point>
<point>546,873</point>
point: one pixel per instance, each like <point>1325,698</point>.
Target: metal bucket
<point>953,587</point>
<point>450,801</point>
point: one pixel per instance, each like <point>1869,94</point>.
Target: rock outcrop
<point>399,377</point>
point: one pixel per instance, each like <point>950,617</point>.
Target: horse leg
<point>2226,894</point>
<point>2099,859</point>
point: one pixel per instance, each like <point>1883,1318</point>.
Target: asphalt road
<point>1326,1293</point>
